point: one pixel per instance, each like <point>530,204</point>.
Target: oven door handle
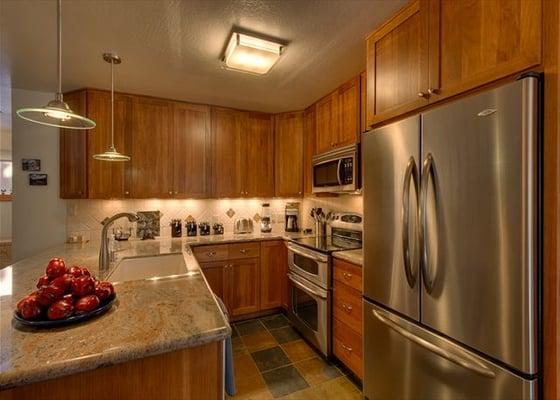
<point>307,254</point>
<point>306,288</point>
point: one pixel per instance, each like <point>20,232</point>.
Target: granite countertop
<point>149,317</point>
<point>353,256</point>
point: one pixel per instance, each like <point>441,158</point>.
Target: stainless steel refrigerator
<point>451,253</point>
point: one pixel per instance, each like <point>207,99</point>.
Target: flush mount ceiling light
<point>57,112</point>
<point>250,54</point>
<point>112,154</point>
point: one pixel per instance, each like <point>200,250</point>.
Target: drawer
<point>211,253</point>
<point>244,250</point>
<point>348,273</point>
<point>348,306</point>
<point>347,347</point>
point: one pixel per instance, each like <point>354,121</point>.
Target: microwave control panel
<point>347,171</point>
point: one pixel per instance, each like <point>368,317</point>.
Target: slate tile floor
<point>271,361</point>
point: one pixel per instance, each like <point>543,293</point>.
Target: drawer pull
<point>347,275</point>
<point>243,251</point>
<point>211,253</point>
<point>347,348</point>
<point>347,308</point>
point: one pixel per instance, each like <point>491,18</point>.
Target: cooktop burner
<point>328,244</point>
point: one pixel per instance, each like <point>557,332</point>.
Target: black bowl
<point>47,323</point>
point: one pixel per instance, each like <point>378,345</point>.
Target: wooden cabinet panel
<point>242,285</point>
<point>347,306</point>
<point>309,132</point>
<point>363,102</point>
<point>106,179</point>
<point>191,150</point>
<point>348,274</point>
<point>289,154</point>
<point>226,153</point>
<point>73,153</point>
<point>214,274</point>
<point>397,64</point>
<point>477,42</point>
<point>258,147</point>
<point>347,346</point>
<point>327,122</point>
<point>211,253</point>
<point>274,260</point>
<point>244,250</point>
<point>151,165</point>
<point>349,113</point>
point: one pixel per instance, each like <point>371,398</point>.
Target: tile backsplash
<point>83,217</point>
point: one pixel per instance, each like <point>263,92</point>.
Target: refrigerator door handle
<point>410,173</point>
<point>458,357</point>
<point>427,169</point>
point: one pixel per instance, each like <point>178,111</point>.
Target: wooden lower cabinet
<point>214,274</point>
<point>189,374</point>
<point>273,273</point>
<point>347,315</point>
<point>242,283</point>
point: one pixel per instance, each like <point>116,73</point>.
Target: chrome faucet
<point>104,250</point>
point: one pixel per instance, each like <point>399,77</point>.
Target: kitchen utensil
<point>218,228</point>
<point>243,225</point>
<point>191,227</point>
<point>204,228</point>
<point>176,228</point>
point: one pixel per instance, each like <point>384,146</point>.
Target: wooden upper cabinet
<point>226,153</point>
<point>397,64</point>
<point>476,42</point>
<point>349,113</point>
<point>151,166</point>
<point>73,153</point>
<point>363,102</point>
<point>289,154</point>
<point>106,179</point>
<point>309,132</point>
<point>326,113</point>
<point>191,150</point>
<point>258,148</point>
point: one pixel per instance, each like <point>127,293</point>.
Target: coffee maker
<point>292,215</point>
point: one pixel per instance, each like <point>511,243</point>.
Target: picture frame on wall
<point>31,164</point>
<point>38,179</point>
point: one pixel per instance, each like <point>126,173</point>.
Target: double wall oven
<point>310,279</point>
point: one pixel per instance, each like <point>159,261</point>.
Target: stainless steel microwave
<point>337,171</point>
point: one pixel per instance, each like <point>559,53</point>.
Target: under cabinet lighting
<point>250,54</point>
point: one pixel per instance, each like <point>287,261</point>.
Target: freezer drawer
<point>404,361</point>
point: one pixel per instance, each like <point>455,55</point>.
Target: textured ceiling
<point>171,49</point>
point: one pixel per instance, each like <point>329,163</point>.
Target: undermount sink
<point>132,269</point>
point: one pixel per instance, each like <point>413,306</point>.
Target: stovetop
<point>328,244</point>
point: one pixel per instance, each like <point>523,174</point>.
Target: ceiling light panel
<point>250,54</point>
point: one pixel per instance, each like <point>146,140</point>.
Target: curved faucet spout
<point>104,249</point>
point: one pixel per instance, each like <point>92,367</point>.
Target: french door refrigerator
<point>451,277</point>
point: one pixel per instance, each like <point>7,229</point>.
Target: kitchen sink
<point>136,268</point>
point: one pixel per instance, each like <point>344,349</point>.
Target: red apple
<point>104,290</point>
<point>69,297</point>
<point>83,286</point>
<point>86,304</point>
<point>75,271</point>
<point>60,309</point>
<point>29,307</point>
<point>56,268</point>
<point>85,271</point>
<point>43,281</point>
<point>64,281</point>
<point>46,295</point>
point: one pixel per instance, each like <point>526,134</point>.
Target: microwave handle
<point>338,169</point>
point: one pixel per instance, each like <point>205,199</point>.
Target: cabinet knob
<point>433,91</point>
<point>211,253</point>
<point>347,276</point>
<point>423,94</point>
<point>347,308</point>
<point>347,348</point>
<point>243,251</point>
<point>170,192</point>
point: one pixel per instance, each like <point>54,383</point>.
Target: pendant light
<point>57,112</point>
<point>112,154</point>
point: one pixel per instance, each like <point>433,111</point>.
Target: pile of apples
<point>63,292</point>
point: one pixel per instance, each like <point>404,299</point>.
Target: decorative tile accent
<point>148,225</point>
<point>230,213</point>
<point>256,217</point>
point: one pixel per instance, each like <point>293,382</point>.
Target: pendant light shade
<point>112,154</point>
<point>57,112</point>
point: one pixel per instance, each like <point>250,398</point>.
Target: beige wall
<point>38,214</point>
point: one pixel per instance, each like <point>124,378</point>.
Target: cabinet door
<point>274,260</point>
<point>289,154</point>
<point>476,42</point>
<point>214,274</point>
<point>151,143</point>
<point>191,150</point>
<point>106,179</point>
<point>308,149</point>
<point>363,102</point>
<point>258,147</point>
<point>242,283</point>
<point>73,153</point>
<point>349,113</point>
<point>226,153</point>
<point>397,64</point>
<point>327,122</point>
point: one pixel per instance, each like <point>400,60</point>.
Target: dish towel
<point>230,376</point>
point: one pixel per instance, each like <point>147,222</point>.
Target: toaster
<point>243,225</point>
